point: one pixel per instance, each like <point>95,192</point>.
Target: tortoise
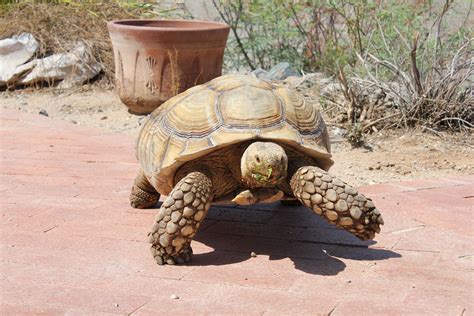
<point>241,140</point>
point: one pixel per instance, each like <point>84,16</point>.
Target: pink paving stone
<point>384,306</point>
<point>277,249</point>
<point>430,184</point>
<point>232,268</point>
<point>71,244</point>
<point>463,191</point>
<point>50,311</point>
<point>80,298</point>
<point>207,298</point>
<point>435,240</point>
<point>381,189</point>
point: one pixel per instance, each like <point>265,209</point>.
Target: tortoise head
<point>263,164</point>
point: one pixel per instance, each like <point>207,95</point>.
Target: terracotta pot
<point>157,59</point>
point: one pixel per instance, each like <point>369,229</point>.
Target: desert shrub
<point>312,34</point>
<point>425,68</point>
<point>261,35</point>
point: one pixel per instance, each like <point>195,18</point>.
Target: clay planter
<point>157,59</point>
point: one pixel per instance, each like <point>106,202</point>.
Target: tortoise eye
<point>257,158</point>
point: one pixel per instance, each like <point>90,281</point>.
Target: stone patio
<point>71,244</point>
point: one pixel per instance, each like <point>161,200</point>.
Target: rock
<point>15,52</point>
<point>331,88</point>
<point>142,119</point>
<point>104,118</point>
<point>43,112</point>
<point>253,254</point>
<point>174,297</point>
<point>281,71</point>
<point>72,68</point>
<point>294,81</point>
<point>308,80</point>
<point>260,73</point>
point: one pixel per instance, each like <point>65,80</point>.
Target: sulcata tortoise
<point>238,139</point>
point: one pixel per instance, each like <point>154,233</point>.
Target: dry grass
<point>57,25</point>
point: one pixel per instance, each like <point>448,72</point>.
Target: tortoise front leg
<point>337,201</point>
<point>179,218</point>
<point>143,194</point>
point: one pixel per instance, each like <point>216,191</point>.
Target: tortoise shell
<point>225,111</point>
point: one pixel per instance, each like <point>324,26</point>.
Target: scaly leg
<point>143,194</point>
<point>337,201</point>
<point>179,218</point>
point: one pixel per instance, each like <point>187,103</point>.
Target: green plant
<point>261,34</point>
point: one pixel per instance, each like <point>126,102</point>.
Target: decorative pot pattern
<point>157,59</point>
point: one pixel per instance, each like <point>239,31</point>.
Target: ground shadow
<point>316,255</point>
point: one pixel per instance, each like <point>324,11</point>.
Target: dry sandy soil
<point>389,157</point>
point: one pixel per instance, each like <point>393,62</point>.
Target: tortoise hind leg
<point>143,194</point>
<point>337,201</point>
<point>179,218</point>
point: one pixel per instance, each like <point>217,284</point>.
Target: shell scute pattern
<point>193,116</point>
<point>238,108</point>
<point>222,112</point>
<point>301,114</point>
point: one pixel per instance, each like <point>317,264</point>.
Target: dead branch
<point>414,68</point>
<point>348,95</point>
<point>233,23</point>
<point>367,126</point>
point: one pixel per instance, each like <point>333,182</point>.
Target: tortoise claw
<point>182,257</point>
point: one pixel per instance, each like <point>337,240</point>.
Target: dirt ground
<point>390,156</point>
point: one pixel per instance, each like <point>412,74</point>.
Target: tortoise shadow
<point>316,250</point>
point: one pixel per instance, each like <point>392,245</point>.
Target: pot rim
<point>200,25</point>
